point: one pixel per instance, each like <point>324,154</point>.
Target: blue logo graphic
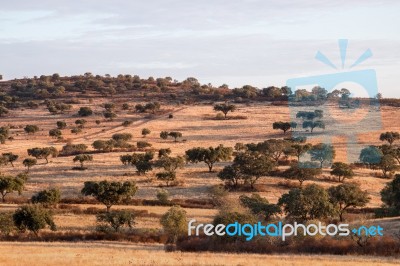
<point>355,112</point>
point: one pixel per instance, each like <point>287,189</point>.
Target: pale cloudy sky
<point>253,42</point>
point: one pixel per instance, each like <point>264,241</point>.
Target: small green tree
<point>116,220</point>
<point>10,158</point>
<point>10,184</point>
<point>43,153</point>
<point>347,195</point>
<point>224,108</point>
<point>55,133</point>
<point>302,172</point>
<point>298,150</point>
<point>145,132</point>
<point>110,193</point>
<point>61,125</point>
<point>174,223</point>
<point>175,135</point>
<point>143,162</point>
<point>164,152</point>
<point>252,166</point>
<point>163,196</point>
<point>371,156</point>
<point>164,134</point>
<point>390,137</point>
<point>323,153</point>
<point>313,124</point>
<point>85,111</point>
<point>209,155</point>
<point>284,126</point>
<point>388,165</point>
<point>80,123</point>
<point>109,115</point>
<point>82,158</point>
<point>6,223</point>
<point>143,144</point>
<point>48,198</point>
<point>166,176</point>
<point>29,162</point>
<point>31,129</point>
<point>342,171</point>
<point>260,206</point>
<point>309,203</point>
<point>390,194</point>
<point>33,218</point>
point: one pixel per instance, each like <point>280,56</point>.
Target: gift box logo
<point>361,117</point>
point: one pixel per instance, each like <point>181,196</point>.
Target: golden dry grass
<point>196,130</point>
<point>103,253</point>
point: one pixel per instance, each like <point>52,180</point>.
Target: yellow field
<point>103,253</point>
<point>197,131</point>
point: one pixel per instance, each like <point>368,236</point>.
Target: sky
<point>261,43</point>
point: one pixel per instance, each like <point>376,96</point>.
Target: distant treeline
<point>167,89</point>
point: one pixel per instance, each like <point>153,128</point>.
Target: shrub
<point>115,220</point>
<point>174,223</point>
<point>33,218</point>
<point>48,198</point>
<point>31,129</point>
<point>163,196</point>
<point>85,111</point>
<point>143,144</point>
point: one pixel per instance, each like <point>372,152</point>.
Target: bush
<point>143,144</point>
<point>174,223</point>
<point>72,149</point>
<point>163,196</point>
<point>115,220</point>
<point>6,223</point>
<point>85,111</point>
<point>47,198</point>
<point>33,218</point>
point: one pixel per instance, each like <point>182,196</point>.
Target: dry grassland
<point>103,253</point>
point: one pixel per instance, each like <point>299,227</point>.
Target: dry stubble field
<point>198,130</point>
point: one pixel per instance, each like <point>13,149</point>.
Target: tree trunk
<point>108,208</point>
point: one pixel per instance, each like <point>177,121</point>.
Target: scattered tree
<point>390,194</point>
<point>85,111</point>
<point>43,153</point>
<point>323,153</point>
<point>303,172</point>
<point>309,203</point>
<point>342,171</point>
<point>347,195</point>
<point>174,223</point>
<point>48,198</point>
<point>145,132</point>
<point>29,162</point>
<point>83,158</point>
<point>110,193</point>
<point>33,218</point>
<point>10,157</point>
<point>55,133</point>
<point>61,125</point>
<point>175,135</point>
<point>10,184</point>
<point>260,206</point>
<point>31,129</point>
<point>224,108</point>
<point>209,155</point>
<point>390,137</point>
<point>116,219</point>
<point>284,126</point>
